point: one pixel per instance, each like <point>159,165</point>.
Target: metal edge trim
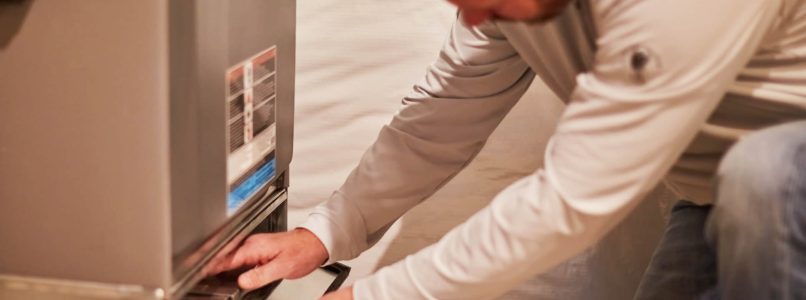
<point>45,286</point>
<point>194,275</point>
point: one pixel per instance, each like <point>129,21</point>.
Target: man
<point>656,90</point>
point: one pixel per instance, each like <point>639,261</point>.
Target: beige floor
<point>356,59</point>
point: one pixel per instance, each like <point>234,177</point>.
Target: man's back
<point>771,88</point>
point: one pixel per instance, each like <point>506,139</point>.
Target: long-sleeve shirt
<point>655,90</point>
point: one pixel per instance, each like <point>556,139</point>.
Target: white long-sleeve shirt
<point>656,90</point>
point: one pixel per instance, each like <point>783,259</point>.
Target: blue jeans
<point>751,244</point>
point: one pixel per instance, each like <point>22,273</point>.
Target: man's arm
<point>661,68</point>
<point>443,123</point>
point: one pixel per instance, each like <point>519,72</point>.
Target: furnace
<point>138,140</point>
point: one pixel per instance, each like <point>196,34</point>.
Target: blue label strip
<point>250,186</point>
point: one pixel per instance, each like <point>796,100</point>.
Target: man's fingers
<point>261,275</point>
<point>224,264</point>
<point>251,253</point>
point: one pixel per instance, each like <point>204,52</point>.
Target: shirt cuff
<point>397,281</point>
<point>320,226</point>
<point>339,228</point>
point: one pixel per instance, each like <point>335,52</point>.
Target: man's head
<point>477,11</point>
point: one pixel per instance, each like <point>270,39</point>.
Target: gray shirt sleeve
<point>477,78</point>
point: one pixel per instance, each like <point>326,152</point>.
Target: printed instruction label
<point>252,116</point>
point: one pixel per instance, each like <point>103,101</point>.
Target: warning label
<point>251,100</point>
<point>251,91</point>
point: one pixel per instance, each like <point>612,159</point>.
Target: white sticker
<point>252,101</point>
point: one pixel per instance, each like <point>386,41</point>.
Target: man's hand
<point>478,11</point>
<point>287,255</point>
<point>341,294</point>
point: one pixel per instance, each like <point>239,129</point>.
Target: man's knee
<point>762,172</point>
<point>767,164</point>
<point>759,220</point>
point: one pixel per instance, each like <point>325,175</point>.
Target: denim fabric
<point>758,225</point>
<point>684,265</point>
<point>752,243</point>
